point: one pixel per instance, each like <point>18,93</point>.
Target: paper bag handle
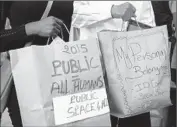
<point>135,21</point>
<point>62,36</point>
<point>47,9</point>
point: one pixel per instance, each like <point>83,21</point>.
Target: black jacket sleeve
<point>163,15</point>
<point>9,37</point>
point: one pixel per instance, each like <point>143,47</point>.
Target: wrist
<point>31,28</point>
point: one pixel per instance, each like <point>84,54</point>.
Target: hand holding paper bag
<point>124,11</point>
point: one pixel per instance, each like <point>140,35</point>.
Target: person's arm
<point>89,12</point>
<point>7,37</point>
<point>47,27</point>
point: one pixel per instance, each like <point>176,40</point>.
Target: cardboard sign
<point>80,106</point>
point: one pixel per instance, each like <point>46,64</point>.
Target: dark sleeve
<point>9,37</point>
<point>163,15</point>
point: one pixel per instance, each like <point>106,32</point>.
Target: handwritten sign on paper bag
<point>76,67</point>
<point>137,65</point>
<point>79,106</point>
<point>143,67</point>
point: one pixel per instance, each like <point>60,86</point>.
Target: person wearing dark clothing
<point>21,13</point>
<point>163,15</point>
<point>7,37</point>
<point>27,27</point>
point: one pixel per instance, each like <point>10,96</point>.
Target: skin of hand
<point>50,26</point>
<point>124,11</point>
